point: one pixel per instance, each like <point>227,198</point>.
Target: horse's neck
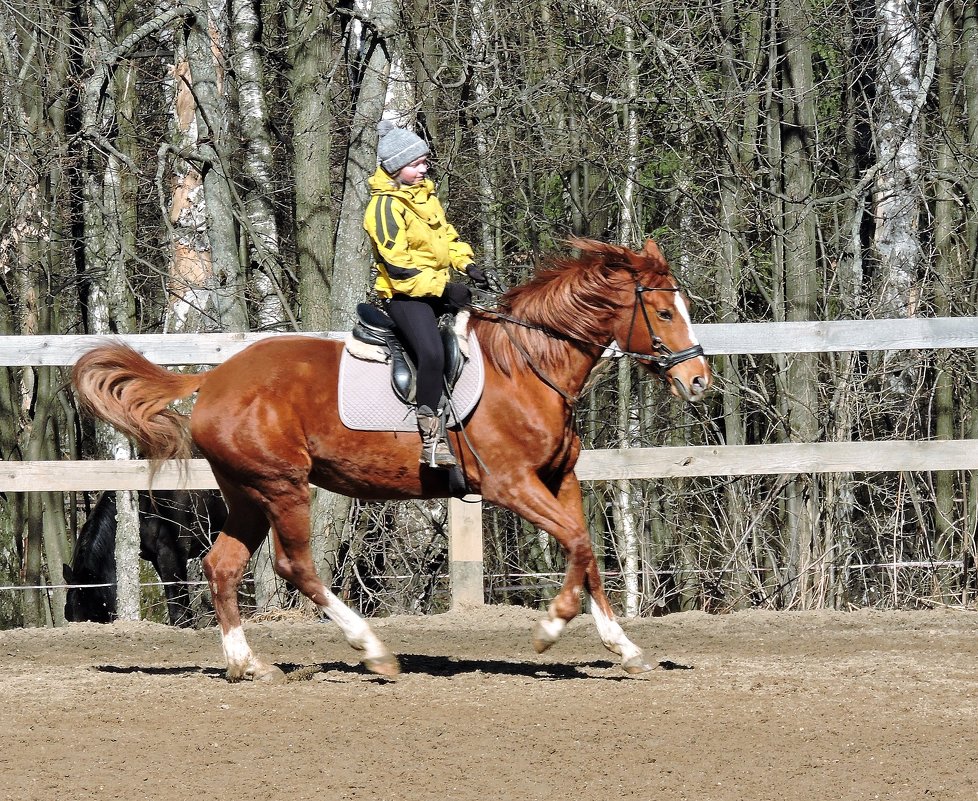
<point>568,371</point>
<point>577,368</point>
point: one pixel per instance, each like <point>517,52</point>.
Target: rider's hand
<point>478,277</point>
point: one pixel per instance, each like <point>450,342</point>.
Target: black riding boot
<point>434,447</point>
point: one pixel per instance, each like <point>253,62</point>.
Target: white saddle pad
<point>368,403</point>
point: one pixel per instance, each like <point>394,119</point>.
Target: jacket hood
<point>416,197</point>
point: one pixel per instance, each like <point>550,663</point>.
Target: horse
<point>174,526</point>
<point>266,420</point>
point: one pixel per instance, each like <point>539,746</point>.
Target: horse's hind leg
<point>172,567</point>
<point>293,562</point>
<point>224,565</point>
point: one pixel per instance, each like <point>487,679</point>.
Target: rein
<point>571,399</point>
<point>662,358</point>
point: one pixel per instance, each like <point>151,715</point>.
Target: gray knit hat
<point>398,147</point>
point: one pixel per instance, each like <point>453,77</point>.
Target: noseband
<point>661,357</point>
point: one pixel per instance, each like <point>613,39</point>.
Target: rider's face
<point>414,173</point>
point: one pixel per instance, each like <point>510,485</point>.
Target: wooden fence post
<point>465,551</point>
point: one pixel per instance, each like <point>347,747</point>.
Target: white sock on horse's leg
<point>359,635</point>
<point>614,639</point>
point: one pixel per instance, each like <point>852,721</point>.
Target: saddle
<point>375,338</point>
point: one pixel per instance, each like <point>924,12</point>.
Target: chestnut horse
<point>267,422</point>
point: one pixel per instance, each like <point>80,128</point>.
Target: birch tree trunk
<point>489,223</point>
<point>896,194</point>
<point>258,169</point>
<point>191,270</point>
<point>625,506</point>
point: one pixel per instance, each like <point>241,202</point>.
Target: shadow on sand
<point>440,666</point>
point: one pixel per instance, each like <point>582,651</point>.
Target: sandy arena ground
<point>826,706</point>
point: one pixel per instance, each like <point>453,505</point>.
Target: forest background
<point>199,167</point>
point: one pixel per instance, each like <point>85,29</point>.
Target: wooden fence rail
<point>609,464</point>
<point>465,519</point>
<point>718,339</point>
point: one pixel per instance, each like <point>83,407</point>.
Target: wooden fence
<point>465,518</point>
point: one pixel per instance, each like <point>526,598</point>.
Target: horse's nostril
<point>699,384</point>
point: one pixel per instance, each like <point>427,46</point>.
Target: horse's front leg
<point>562,516</point>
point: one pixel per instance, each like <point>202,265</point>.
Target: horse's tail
<point>122,387</point>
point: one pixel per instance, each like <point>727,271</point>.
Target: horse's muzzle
<point>689,375</point>
<point>694,390</point>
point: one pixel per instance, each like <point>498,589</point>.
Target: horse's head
<point>654,325</point>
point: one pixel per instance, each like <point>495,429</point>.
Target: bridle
<point>661,358</point>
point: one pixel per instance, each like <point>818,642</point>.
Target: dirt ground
<point>757,706</point>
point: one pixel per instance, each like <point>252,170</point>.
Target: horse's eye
<point>664,314</point>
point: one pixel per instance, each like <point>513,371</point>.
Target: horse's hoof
<point>543,638</point>
<point>268,674</point>
<point>384,665</point>
<point>256,671</point>
<point>637,664</point>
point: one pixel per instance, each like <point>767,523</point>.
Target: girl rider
<point>416,249</point>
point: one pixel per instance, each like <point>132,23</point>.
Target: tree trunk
<point>947,225</point>
<point>624,505</point>
<point>107,253</point>
<point>741,45</point>
<point>489,223</point>
<point>896,193</point>
<point>353,258</point>
<point>206,56</point>
<point>258,169</point>
<point>800,277</point>
<point>312,62</point>
<point>626,510</point>
<point>969,81</point>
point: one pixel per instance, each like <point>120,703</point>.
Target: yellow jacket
<point>414,245</point>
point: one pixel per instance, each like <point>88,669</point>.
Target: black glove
<point>457,296</point>
<point>478,277</point>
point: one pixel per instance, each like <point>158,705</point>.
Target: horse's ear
<point>652,250</point>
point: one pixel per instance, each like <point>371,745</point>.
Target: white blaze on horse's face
<point>684,313</point>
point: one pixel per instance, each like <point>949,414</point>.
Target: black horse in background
<point>174,526</point>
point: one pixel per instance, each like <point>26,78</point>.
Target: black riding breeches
<point>417,319</point>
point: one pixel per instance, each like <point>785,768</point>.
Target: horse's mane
<point>573,296</point>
